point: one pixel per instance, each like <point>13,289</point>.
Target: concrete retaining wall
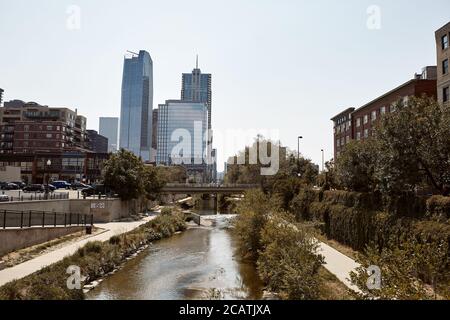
<point>15,239</point>
<point>105,210</point>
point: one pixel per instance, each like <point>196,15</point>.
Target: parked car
<point>78,186</point>
<point>95,189</point>
<point>21,184</point>
<point>49,188</point>
<point>34,188</point>
<point>4,198</point>
<point>61,184</point>
<point>11,186</point>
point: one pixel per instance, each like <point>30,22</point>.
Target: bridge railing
<point>32,218</point>
<point>210,185</point>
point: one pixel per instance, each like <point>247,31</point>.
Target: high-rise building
<point>109,128</point>
<point>96,142</point>
<point>155,131</point>
<point>182,133</point>
<point>137,105</point>
<point>196,87</point>
<point>443,58</point>
<point>1,96</point>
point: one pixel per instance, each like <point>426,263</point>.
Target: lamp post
<point>323,161</point>
<point>46,173</point>
<point>298,147</point>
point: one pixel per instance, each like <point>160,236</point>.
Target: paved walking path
<point>24,269</point>
<point>338,264</point>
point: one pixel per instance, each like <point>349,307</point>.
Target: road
<point>31,266</point>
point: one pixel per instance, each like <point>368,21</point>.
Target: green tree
<point>414,144</point>
<point>124,172</point>
<point>153,182</point>
<point>355,166</point>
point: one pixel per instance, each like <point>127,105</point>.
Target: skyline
<point>253,78</point>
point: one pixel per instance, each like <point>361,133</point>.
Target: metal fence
<point>28,219</point>
<point>36,196</point>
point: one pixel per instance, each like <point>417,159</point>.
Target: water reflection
<point>193,265</point>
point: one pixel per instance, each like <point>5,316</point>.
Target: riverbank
<point>94,260</point>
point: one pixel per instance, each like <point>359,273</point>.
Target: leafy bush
<point>438,207</point>
<point>288,262</point>
<point>253,211</point>
<point>166,211</point>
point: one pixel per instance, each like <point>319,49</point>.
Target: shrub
<point>114,240</point>
<point>438,207</point>
<point>301,203</point>
<point>288,262</point>
<point>166,211</point>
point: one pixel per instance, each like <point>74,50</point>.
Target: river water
<point>199,263</point>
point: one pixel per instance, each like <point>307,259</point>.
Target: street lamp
<point>323,161</point>
<point>49,163</point>
<point>298,148</point>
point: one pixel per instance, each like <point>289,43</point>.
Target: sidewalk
<point>31,266</point>
<point>338,264</point>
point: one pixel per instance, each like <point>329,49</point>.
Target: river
<point>200,263</point>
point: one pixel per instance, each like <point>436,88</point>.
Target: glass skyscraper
<point>109,128</point>
<point>137,105</point>
<point>196,87</point>
<point>177,121</point>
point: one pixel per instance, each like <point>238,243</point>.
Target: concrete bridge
<point>206,188</point>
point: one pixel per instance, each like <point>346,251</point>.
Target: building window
<point>445,94</point>
<point>26,128</point>
<point>49,135</point>
<point>445,66</point>
<point>383,110</point>
<point>49,128</point>
<point>445,42</point>
<point>366,133</point>
<point>366,119</point>
<point>338,142</point>
<point>26,135</point>
<point>373,116</point>
<point>347,139</point>
<point>358,122</point>
<point>342,141</point>
<point>358,135</point>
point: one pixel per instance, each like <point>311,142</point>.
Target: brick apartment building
<point>357,124</point>
<point>443,57</point>
<point>47,143</point>
<point>30,128</point>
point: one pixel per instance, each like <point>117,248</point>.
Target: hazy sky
<point>287,65</point>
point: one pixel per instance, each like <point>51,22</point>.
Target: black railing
<point>34,196</point>
<point>32,218</point>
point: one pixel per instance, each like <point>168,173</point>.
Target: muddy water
<point>198,264</point>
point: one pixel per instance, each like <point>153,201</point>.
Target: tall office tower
<point>155,133</point>
<point>109,128</point>
<point>137,105</point>
<point>443,58</point>
<point>182,130</point>
<point>1,96</point>
<point>196,87</point>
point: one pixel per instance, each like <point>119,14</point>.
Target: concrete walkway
<point>24,269</point>
<point>338,264</point>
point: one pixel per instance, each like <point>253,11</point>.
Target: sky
<point>284,67</point>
